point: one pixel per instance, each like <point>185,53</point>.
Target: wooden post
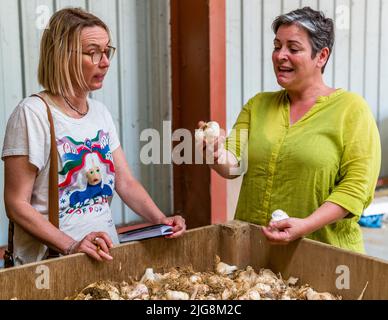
<point>198,91</point>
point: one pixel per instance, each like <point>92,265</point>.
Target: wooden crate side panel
<point>69,275</point>
<point>235,243</point>
<point>330,269</point>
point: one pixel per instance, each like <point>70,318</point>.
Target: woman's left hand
<point>285,231</point>
<point>178,225</point>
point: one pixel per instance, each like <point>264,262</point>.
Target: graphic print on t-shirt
<point>86,180</point>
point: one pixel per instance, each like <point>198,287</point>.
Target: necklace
<point>76,109</point>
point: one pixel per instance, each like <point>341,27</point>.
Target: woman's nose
<point>282,54</point>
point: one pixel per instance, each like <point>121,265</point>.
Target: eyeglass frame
<point>102,54</point>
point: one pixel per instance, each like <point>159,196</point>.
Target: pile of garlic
<point>226,283</point>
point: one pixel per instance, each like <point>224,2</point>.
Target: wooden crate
<point>323,267</point>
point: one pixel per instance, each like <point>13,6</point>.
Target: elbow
<point>9,210</point>
<point>10,205</point>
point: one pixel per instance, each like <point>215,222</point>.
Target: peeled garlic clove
<point>199,134</point>
<point>278,215</point>
<point>176,295</point>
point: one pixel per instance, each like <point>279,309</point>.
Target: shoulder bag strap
<point>53,193</point>
<point>53,174</point>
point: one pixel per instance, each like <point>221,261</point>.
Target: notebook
<point>157,230</point>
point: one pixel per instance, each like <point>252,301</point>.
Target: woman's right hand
<point>212,152</point>
<point>96,245</point>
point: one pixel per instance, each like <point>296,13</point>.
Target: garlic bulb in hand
<point>209,132</point>
<point>199,134</point>
<point>278,215</point>
<point>212,130</point>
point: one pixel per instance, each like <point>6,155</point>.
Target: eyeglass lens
<point>97,56</point>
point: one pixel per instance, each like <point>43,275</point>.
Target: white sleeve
<point>28,133</point>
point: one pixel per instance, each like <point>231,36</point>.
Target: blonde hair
<point>60,61</point>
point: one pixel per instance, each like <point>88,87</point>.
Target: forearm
<point>227,166</point>
<point>326,214</point>
<point>23,214</point>
<point>136,197</point>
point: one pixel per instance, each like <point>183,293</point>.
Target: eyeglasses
<point>96,56</point>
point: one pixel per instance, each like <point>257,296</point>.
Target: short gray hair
<point>319,28</point>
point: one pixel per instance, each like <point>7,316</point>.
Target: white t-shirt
<point>86,174</point>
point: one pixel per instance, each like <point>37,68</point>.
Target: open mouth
<point>100,77</point>
<point>285,69</point>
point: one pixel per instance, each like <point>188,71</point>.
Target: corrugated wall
<point>357,63</point>
<point>136,90</point>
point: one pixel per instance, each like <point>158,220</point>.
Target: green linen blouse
<point>332,153</point>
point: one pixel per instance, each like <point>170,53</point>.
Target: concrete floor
<point>376,241</point>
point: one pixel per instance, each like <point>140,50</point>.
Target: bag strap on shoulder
<point>53,202</point>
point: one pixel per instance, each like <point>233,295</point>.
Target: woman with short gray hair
<point>319,28</point>
<point>314,151</point>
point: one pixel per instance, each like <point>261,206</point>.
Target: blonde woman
<point>75,55</point>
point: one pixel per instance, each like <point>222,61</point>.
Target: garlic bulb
<point>210,131</point>
<point>138,291</point>
<point>149,275</point>
<point>195,278</point>
<point>223,268</point>
<point>199,134</point>
<point>278,215</point>
<point>176,295</point>
<point>292,281</point>
<point>251,294</point>
<point>313,295</point>
<point>224,282</point>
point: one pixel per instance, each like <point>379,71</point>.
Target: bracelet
<point>70,248</point>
